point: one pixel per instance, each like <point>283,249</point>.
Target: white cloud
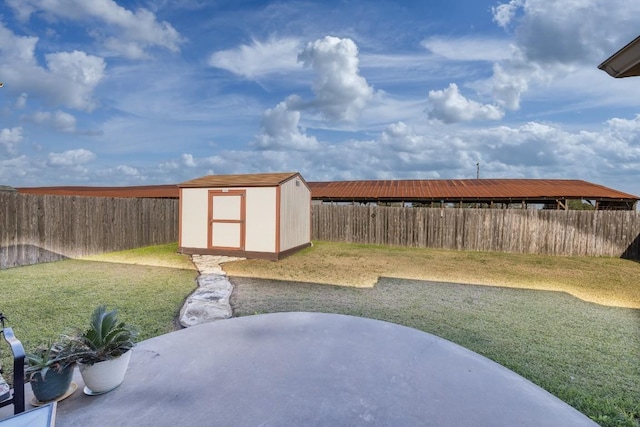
<point>512,79</point>
<point>15,167</point>
<point>555,39</point>
<point>572,31</point>
<point>403,137</point>
<point>399,152</point>
<point>188,160</point>
<point>408,144</point>
<point>608,155</point>
<point>21,101</point>
<point>118,175</point>
<point>468,48</point>
<point>534,146</point>
<point>449,106</point>
<point>69,78</point>
<point>618,144</point>
<point>129,50</point>
<point>341,93</point>
<point>504,13</point>
<point>10,138</point>
<point>59,120</point>
<point>279,130</point>
<point>170,165</point>
<point>623,129</point>
<point>423,155</point>
<point>404,62</point>
<point>16,48</point>
<point>605,155</point>
<point>259,58</point>
<point>79,72</point>
<point>22,9</point>
<point>70,158</point>
<point>123,31</point>
<point>127,170</point>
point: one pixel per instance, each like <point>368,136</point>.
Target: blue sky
<point>107,92</point>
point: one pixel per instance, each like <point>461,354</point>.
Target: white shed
<point>264,216</point>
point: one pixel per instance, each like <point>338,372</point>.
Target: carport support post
<point>562,204</point>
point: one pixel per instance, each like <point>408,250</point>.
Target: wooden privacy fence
<point>36,228</point>
<point>585,233</point>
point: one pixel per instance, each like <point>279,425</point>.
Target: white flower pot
<point>104,376</point>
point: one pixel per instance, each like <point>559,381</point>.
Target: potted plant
<point>107,345</point>
<point>50,369</point>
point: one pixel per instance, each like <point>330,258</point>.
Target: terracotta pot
<point>54,384</point>
<point>102,377</point>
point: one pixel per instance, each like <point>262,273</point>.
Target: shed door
<point>226,219</point>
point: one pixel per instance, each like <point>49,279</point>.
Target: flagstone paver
<point>210,301</point>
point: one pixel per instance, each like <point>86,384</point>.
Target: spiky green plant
<point>51,356</point>
<point>106,338</point>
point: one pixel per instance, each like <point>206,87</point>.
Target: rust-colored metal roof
<point>245,180</point>
<point>464,190</point>
<point>150,191</point>
<point>392,190</point>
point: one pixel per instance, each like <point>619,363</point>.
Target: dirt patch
<point>608,281</point>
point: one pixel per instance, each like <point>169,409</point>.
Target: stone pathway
<point>210,301</point>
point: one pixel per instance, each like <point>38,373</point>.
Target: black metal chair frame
<point>17,393</point>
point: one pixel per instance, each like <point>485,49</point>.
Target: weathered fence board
<point>37,228</point>
<point>566,233</point>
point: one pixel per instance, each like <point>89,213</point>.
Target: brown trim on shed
<point>272,256</point>
<point>242,221</point>
<point>179,217</point>
<point>278,190</point>
<point>297,176</point>
<point>291,251</point>
<point>245,180</point>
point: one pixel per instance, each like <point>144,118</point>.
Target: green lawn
<point>583,352</point>
<point>41,301</point>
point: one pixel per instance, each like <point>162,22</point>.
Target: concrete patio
<point>316,369</point>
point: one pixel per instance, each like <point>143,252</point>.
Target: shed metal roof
<point>464,190</point>
<point>245,180</point>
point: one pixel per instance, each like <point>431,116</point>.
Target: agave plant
<point>52,356</point>
<point>106,338</point>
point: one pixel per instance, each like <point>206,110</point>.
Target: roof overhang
<point>625,62</point>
